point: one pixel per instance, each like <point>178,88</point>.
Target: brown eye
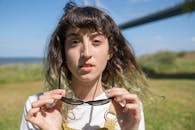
<point>96,42</point>
<point>73,42</point>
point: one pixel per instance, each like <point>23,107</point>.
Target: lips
<point>86,67</point>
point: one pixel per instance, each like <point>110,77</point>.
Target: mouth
<point>86,67</point>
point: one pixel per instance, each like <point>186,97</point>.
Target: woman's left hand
<point>127,107</point>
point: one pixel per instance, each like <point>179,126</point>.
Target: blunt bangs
<point>87,17</point>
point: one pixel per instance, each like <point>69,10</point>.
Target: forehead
<point>82,31</point>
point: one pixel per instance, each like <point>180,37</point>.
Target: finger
<point>32,116</point>
<point>54,94</point>
<point>50,96</point>
<point>116,92</point>
<point>118,107</point>
<point>32,112</point>
<point>41,103</point>
<point>56,91</point>
<point>129,98</point>
<point>134,109</point>
<point>49,100</point>
<point>58,105</point>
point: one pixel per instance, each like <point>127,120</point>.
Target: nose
<point>86,49</point>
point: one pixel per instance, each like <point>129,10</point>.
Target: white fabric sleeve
<point>25,125</point>
<point>142,122</point>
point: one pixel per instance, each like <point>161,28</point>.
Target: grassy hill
<point>169,62</point>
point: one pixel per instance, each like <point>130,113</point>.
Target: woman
<point>93,79</point>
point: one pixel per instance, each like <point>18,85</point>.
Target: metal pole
<point>185,7</point>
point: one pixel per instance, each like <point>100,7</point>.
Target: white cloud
<point>193,39</point>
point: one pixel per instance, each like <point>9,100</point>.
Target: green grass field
<point>175,112</point>
<point>20,73</point>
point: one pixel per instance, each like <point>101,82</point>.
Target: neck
<point>87,90</point>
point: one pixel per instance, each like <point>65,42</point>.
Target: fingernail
<point>123,103</point>
<point>107,92</point>
<point>51,105</point>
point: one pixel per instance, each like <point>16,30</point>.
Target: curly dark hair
<point>122,69</point>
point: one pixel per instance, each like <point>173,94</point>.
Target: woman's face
<point>87,53</point>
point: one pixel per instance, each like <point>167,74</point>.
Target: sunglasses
<point>72,101</point>
<point>80,102</point>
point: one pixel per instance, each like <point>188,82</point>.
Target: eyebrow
<point>96,34</point>
<point>72,34</point>
<point>78,34</point>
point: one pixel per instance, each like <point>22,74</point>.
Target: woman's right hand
<point>47,118</point>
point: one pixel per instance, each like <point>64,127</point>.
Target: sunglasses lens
<point>99,102</point>
<point>72,101</point>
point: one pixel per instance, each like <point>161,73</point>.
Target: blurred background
<point>161,32</point>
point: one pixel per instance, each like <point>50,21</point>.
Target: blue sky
<point>26,25</point>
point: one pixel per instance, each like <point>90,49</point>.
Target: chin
<point>87,78</point>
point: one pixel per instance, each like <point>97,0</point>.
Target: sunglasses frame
<point>72,101</point>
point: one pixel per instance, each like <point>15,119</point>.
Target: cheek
<point>103,64</point>
<point>102,60</point>
<point>71,59</point>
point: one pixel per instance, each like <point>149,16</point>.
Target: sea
<point>20,60</point>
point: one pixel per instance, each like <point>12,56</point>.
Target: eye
<point>96,41</point>
<point>73,41</point>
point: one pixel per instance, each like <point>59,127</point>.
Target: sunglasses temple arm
<point>59,77</point>
<point>59,81</point>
